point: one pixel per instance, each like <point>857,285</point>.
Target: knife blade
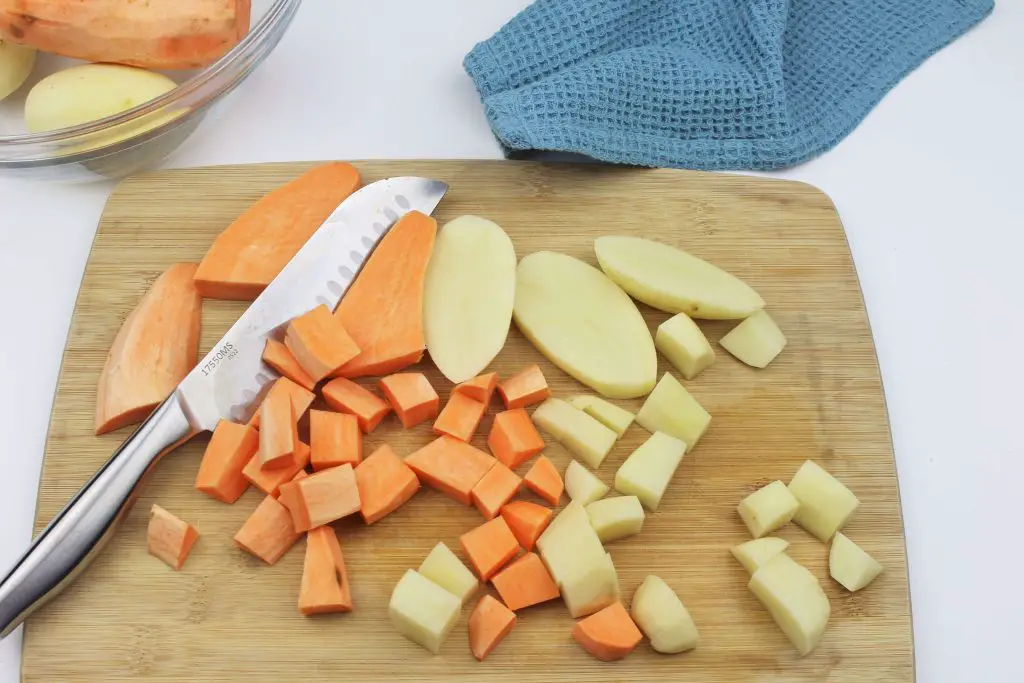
<point>226,384</point>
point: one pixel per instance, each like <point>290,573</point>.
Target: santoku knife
<point>226,384</point>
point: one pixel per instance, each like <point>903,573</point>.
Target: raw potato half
<point>850,565</point>
<point>468,296</point>
<point>610,415</point>
<point>585,325</point>
<point>582,485</point>
<point>663,618</point>
<point>756,341</point>
<point>672,280</point>
<point>16,62</point>
<point>795,600</point>
<point>755,554</point>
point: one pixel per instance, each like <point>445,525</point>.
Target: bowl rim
<point>256,34</point>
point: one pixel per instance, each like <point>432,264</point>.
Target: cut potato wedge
<point>588,588</point>
<point>422,611</point>
<point>468,296</point>
<point>793,597</point>
<point>649,469</point>
<point>755,554</point>
<point>684,345</point>
<point>767,509</point>
<point>585,325</point>
<point>569,544</point>
<point>850,565</point>
<point>663,618</point>
<point>615,518</point>
<point>672,280</point>
<point>444,568</point>
<point>610,415</point>
<point>672,409</point>
<point>756,341</point>
<point>582,485</point>
<point>574,429</point>
<point>825,504</point>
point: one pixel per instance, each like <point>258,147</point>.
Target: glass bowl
<point>138,138</point>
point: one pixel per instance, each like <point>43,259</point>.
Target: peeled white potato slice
<point>574,429</point>
<point>610,415</point>
<point>569,544</point>
<point>585,325</point>
<point>767,509</point>
<point>648,470</point>
<point>16,62</point>
<point>850,565</point>
<point>615,518</point>
<point>422,611</point>
<point>795,600</point>
<point>589,588</point>
<point>582,485</point>
<point>445,569</point>
<point>756,341</point>
<point>468,295</point>
<point>825,504</point>
<point>755,554</point>
<point>672,280</point>
<point>671,409</point>
<point>663,618</point>
<point>684,345</point>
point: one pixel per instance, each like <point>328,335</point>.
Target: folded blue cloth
<point>709,84</point>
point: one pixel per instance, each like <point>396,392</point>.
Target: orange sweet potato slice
<point>451,466</point>
<point>319,342</point>
<point>609,634</point>
<point>385,484</point>
<point>524,388</point>
<point>346,396</point>
<point>411,397</point>
<point>325,586</point>
<point>230,449</point>
<point>514,439</point>
<point>169,538</point>
<point>525,582</point>
<point>277,356</point>
<point>335,439</point>
<point>489,623</point>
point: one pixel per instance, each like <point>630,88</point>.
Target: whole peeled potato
<point>16,64</point>
<point>90,92</point>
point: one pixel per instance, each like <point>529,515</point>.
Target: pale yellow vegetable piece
<point>16,62</point>
<point>672,280</point>
<point>585,325</point>
<point>422,611</point>
<point>663,618</point>
<point>756,341</point>
<point>795,600</point>
<point>468,295</point>
<point>684,345</point>
<point>825,504</point>
<point>850,565</point>
<point>582,485</point>
<point>610,415</point>
<point>569,544</point>
<point>588,588</point>
<point>768,508</point>
<point>615,518</point>
<point>586,437</point>
<point>445,569</point>
<point>755,554</point>
<point>649,469</point>
<point>672,409</point>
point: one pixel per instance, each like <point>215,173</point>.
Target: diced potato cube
<point>850,565</point>
<point>663,618</point>
<point>825,504</point>
<point>422,611</point>
<point>671,409</point>
<point>444,568</point>
<point>590,587</point>
<point>569,544</point>
<point>756,341</point>
<point>574,429</point>
<point>649,469</point>
<point>795,600</point>
<point>582,485</point>
<point>682,342</point>
<point>610,415</point>
<point>615,518</point>
<point>768,508</point>
<point>755,554</point>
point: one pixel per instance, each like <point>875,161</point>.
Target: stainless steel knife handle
<point>82,528</point>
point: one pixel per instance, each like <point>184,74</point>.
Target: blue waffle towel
<point>708,84</point>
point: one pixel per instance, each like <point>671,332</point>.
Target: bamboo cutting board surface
<point>228,617</point>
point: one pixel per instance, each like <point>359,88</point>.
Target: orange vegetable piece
<point>609,634</point>
<point>157,34</point>
<point>335,439</point>
<point>301,398</point>
<point>169,538</point>
<point>324,586</point>
<point>514,439</point>
<point>525,582</point>
<point>385,483</point>
<point>460,417</point>
<point>527,521</point>
<point>348,397</point>
<point>319,342</point>
<point>321,498</point>
<point>494,490</point>
<point>277,356</point>
<point>544,480</point>
<point>411,397</point>
<point>451,466</point>
<point>155,348</point>
<point>383,309</point>
<point>489,623</point>
<point>256,247</point>
<point>269,479</point>
<point>480,388</point>
<point>279,431</point>
<point>489,547</point>
<point>524,388</point>
<point>268,533</point>
<point>230,449</point>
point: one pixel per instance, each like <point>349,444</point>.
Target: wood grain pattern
<point>227,617</point>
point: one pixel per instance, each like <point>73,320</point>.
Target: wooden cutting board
<point>228,617</point>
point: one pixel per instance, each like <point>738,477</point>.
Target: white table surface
<point>928,187</point>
